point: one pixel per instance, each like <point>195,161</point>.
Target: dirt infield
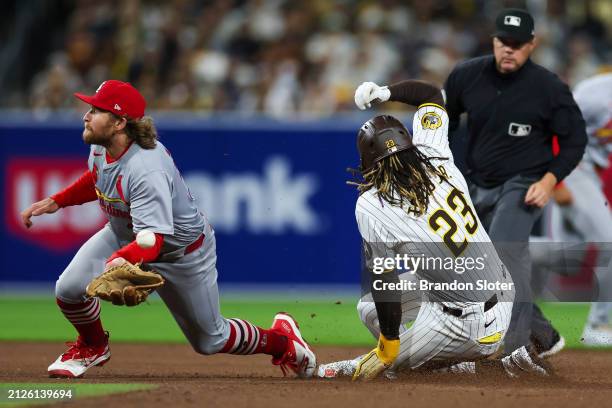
<point>188,379</point>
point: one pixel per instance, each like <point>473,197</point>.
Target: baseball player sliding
<point>414,202</point>
<point>138,187</point>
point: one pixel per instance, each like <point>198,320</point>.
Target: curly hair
<point>402,178</point>
<point>142,131</point>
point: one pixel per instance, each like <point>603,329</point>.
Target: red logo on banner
<point>31,179</point>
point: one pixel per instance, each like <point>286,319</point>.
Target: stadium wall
<point>274,191</point>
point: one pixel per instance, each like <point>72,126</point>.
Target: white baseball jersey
<point>594,97</point>
<point>449,233</point>
<point>449,326</point>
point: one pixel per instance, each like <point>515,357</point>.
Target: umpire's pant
<point>509,222</point>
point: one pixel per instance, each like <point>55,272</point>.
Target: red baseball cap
<point>117,97</point>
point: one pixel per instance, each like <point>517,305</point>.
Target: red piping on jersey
<point>134,253</point>
<point>110,160</point>
<point>82,191</point>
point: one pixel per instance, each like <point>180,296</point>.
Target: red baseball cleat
<point>298,357</point>
<point>79,358</point>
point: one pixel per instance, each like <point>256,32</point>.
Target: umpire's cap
<point>514,24</point>
<point>381,137</point>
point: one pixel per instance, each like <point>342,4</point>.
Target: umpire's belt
<point>181,252</point>
<point>488,305</point>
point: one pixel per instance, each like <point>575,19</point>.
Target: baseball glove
<point>124,284</point>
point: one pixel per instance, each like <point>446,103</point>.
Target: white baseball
<point>145,239</point>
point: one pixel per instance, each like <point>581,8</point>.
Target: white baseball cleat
<point>298,357</point>
<point>522,361</point>
<point>79,358</point>
<point>343,368</point>
<point>346,368</point>
<point>597,335</point>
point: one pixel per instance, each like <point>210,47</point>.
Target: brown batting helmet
<point>381,137</point>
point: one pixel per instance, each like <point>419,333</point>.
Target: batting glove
<point>377,360</point>
<point>369,92</point>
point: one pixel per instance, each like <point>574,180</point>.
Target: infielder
<point>414,201</point>
<point>138,187</point>
<point>581,203</point>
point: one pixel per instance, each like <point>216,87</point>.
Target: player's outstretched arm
<point>369,92</point>
<point>411,92</point>
<point>416,93</point>
<point>46,206</point>
<point>80,192</point>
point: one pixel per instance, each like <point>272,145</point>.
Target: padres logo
<point>431,120</point>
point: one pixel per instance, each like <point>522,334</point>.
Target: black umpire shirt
<point>511,121</point>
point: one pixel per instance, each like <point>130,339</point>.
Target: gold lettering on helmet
<point>390,143</point>
<point>431,120</point>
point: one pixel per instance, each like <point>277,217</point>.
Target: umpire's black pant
<point>509,222</point>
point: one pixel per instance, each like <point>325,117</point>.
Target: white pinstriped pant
<point>437,336</point>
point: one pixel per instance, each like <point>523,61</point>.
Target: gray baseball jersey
<point>594,97</point>
<point>144,190</point>
<point>589,213</point>
<point>448,325</point>
<point>449,239</point>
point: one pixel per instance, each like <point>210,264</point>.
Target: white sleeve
<point>377,243</point>
<point>430,130</point>
<point>367,227</point>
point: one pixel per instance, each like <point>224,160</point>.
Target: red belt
<point>194,245</point>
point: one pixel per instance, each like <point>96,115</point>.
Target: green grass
<point>569,319</point>
<point>323,322</point>
<point>78,391</point>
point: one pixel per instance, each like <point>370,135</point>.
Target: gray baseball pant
<point>509,222</point>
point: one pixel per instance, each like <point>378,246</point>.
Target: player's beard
<point>101,138</point>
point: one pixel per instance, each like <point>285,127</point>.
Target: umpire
<point>514,107</point>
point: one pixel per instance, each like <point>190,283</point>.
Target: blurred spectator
<point>286,58</point>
